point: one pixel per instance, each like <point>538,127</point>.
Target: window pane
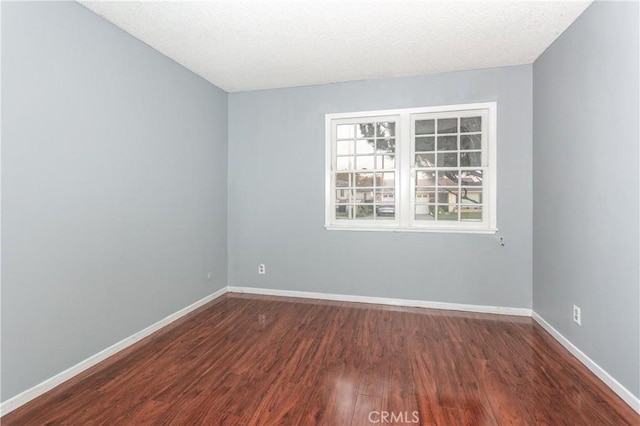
<point>344,163</point>
<point>343,179</point>
<point>425,127</point>
<point>385,195</point>
<point>387,212</point>
<point>448,160</point>
<point>425,178</point>
<point>364,179</point>
<point>365,162</point>
<point>364,212</point>
<point>470,142</point>
<point>471,214</point>
<point>386,161</point>
<point>425,195</point>
<point>447,125</point>
<point>471,196</point>
<point>365,130</point>
<point>344,212</point>
<point>345,131</point>
<point>344,196</point>
<point>386,129</point>
<point>386,179</point>
<point>364,196</point>
<point>425,160</point>
<point>448,178</point>
<point>448,212</point>
<point>387,145</point>
<point>365,146</point>
<point>425,143</point>
<point>425,212</point>
<point>447,143</point>
<point>471,178</point>
<point>471,124</point>
<point>344,147</point>
<point>470,159</point>
<point>449,196</point>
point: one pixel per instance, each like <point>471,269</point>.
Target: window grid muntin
<point>404,195</point>
<point>355,206</point>
<point>437,153</point>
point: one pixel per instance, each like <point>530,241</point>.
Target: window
<point>417,169</point>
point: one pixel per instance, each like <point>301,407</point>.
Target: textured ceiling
<point>245,45</point>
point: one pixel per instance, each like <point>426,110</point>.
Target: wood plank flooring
<point>259,360</point>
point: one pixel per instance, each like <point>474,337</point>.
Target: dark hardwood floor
<point>275,361</point>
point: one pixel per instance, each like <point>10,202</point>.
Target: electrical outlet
<point>209,276</point>
<point>262,269</point>
<point>577,315</point>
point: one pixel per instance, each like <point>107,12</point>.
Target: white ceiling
<point>243,45</point>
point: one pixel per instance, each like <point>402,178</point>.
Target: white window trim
<point>404,181</point>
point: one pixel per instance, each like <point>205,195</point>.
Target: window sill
<point>488,231</point>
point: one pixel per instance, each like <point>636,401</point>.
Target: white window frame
<point>405,171</point>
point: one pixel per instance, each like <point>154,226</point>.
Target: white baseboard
<point>525,312</point>
<point>621,391</point>
<point>39,389</point>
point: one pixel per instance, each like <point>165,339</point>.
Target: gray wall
<point>586,190</point>
<point>276,197</point>
<point>113,184</point>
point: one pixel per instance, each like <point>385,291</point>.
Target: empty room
<point>332,212</point>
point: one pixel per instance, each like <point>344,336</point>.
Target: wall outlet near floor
<point>577,315</point>
<point>209,276</point>
<point>262,269</point>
